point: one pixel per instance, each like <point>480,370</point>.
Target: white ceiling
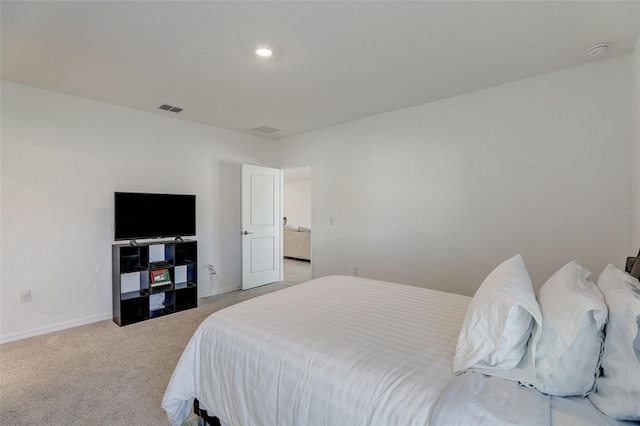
<point>333,61</point>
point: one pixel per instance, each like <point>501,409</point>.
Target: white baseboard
<point>218,291</point>
<point>82,321</point>
<point>55,327</point>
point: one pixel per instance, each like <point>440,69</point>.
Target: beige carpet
<point>296,271</point>
<point>102,374</point>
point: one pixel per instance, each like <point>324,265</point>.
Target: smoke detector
<point>597,49</point>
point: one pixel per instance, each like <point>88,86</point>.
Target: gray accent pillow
<point>635,270</point>
<point>629,265</point>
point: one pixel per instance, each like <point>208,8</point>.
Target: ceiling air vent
<point>266,129</point>
<point>170,108</point>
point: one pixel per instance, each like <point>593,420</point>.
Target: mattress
<point>333,351</point>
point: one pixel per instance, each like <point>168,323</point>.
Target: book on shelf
<point>156,301</point>
<point>160,277</point>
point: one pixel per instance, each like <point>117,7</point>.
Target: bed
<point>344,350</point>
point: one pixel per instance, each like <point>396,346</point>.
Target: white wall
<point>434,195</point>
<point>297,202</point>
<point>635,158</point>
<point>62,159</point>
<point>438,194</point>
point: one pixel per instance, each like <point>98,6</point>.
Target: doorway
<point>297,232</point>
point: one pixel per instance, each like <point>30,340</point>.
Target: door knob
<point>247,233</point>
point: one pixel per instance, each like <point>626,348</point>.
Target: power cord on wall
<point>213,273</point>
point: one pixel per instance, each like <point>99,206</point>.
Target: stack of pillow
<point>576,339</point>
<point>618,389</point>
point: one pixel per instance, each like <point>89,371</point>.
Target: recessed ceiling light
<point>264,52</point>
<point>597,49</point>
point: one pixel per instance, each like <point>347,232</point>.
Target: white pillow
<point>618,389</point>
<point>573,319</point>
<point>497,328</point>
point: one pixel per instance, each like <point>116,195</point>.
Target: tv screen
<point>141,215</point>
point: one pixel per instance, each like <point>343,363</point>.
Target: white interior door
<point>261,226</point>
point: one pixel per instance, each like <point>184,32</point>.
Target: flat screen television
<point>143,215</point>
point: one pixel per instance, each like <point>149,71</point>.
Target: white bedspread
<point>334,351</point>
<point>479,400</point>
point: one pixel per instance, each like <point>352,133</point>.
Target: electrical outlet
<point>25,296</point>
